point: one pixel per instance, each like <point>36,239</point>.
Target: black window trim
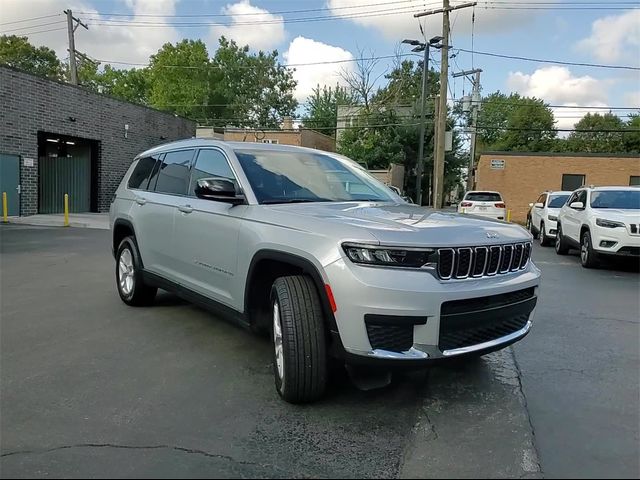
<point>164,154</point>
<point>239,188</point>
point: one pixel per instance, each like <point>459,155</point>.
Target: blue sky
<point>563,32</point>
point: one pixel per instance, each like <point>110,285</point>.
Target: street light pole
<point>420,166</point>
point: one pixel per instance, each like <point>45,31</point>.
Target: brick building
<point>57,138</point>
<point>287,136</point>
<point>521,177</point>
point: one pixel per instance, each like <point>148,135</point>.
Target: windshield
<point>483,197</point>
<point>558,202</point>
<point>288,177</point>
<point>623,199</point>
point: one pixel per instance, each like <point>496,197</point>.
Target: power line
<point>33,26</point>
<point>40,31</point>
<point>30,19</point>
<point>558,62</point>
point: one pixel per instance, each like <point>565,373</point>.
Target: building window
<point>571,182</point>
<point>634,181</point>
<point>270,140</point>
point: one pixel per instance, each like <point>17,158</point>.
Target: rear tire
<point>300,355</point>
<point>588,257</point>
<point>544,240</point>
<point>129,280</point>
<point>561,245</point>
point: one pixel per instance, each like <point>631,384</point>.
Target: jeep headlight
<point>601,222</point>
<point>390,256</point>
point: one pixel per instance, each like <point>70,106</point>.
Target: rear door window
<point>483,197</point>
<point>175,172</point>
<point>139,179</point>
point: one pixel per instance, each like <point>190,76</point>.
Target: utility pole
<point>475,107</point>
<point>73,68</point>
<point>441,122</point>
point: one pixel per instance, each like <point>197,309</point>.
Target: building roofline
<point>86,90</point>
<point>561,154</point>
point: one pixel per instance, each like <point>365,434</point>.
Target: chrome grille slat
<point>482,261</point>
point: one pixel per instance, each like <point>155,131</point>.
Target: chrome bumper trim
<point>490,344</point>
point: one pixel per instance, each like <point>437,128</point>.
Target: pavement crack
<point>534,445</point>
<point>191,451</point>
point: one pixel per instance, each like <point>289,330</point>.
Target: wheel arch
<point>121,228</point>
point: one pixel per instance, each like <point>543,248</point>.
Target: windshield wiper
<point>294,200</point>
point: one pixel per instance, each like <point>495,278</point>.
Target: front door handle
<point>141,201</point>
<point>186,208</point>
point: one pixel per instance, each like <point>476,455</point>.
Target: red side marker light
<point>332,301</point>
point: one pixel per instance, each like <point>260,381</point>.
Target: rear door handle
<point>186,208</point>
<point>141,201</point>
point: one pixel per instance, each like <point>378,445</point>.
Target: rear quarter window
<point>139,179</point>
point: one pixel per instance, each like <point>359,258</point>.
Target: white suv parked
<point>600,221</point>
<point>542,218</point>
<point>307,245</point>
<point>484,204</point>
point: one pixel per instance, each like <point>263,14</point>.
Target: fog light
<point>608,243</point>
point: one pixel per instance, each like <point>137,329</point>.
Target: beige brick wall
<point>524,177</point>
<point>301,138</point>
<point>320,141</point>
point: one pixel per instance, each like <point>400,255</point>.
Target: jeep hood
<point>399,224</point>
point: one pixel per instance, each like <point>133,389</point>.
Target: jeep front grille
<point>476,262</point>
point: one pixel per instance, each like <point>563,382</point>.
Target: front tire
<point>531,229</point>
<point>129,281</point>
<point>299,354</point>
<point>561,245</point>
<point>588,257</point>
<point>544,240</point>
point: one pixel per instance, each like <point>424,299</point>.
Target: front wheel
<point>531,229</point>
<point>129,280</point>
<point>544,240</point>
<point>561,244</point>
<point>588,257</point>
<point>299,343</point>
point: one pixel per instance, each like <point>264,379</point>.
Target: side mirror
<point>530,205</point>
<point>577,205</point>
<point>539,205</point>
<point>219,190</point>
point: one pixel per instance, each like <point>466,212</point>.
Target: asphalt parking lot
<point>92,388</point>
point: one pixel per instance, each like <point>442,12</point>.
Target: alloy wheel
<point>277,341</point>
<point>126,272</point>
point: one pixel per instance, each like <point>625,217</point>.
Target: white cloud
<point>305,50</point>
<point>104,42</point>
<point>632,99</point>
<point>614,38</point>
<point>246,30</point>
<point>557,86</point>
<point>395,19</point>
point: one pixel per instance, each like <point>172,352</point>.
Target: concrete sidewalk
<point>79,220</point>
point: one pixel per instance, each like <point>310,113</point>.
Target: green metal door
<point>60,175</point>
<point>10,182</point>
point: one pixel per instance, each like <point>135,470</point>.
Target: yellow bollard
<point>508,215</point>
<point>66,209</point>
<point>5,207</point>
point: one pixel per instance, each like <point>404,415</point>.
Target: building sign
<point>497,164</point>
<point>28,162</point>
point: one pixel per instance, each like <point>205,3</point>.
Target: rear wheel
<point>544,240</point>
<point>588,257</point>
<point>299,344</point>
<point>561,245</point>
<point>129,281</point>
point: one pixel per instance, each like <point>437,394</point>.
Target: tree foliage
<point>321,108</point>
<point>597,133</point>
<point>17,52</point>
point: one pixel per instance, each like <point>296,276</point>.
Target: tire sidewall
<point>543,235</point>
<point>129,244</point>
<point>591,259</point>
<point>558,246</point>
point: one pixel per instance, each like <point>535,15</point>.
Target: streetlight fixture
<point>422,47</point>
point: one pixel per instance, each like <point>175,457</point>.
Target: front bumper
<point>615,241</point>
<point>407,294</point>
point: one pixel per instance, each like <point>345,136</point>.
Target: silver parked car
<point>307,245</point>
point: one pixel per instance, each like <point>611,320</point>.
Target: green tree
<point>515,123</point>
<point>180,78</point>
<point>17,52</point>
<point>597,133</point>
<point>631,139</point>
<point>322,108</point>
<point>256,88</point>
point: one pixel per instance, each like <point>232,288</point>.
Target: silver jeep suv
<point>307,245</point>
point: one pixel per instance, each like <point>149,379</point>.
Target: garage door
<point>60,175</point>
<point>9,182</point>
